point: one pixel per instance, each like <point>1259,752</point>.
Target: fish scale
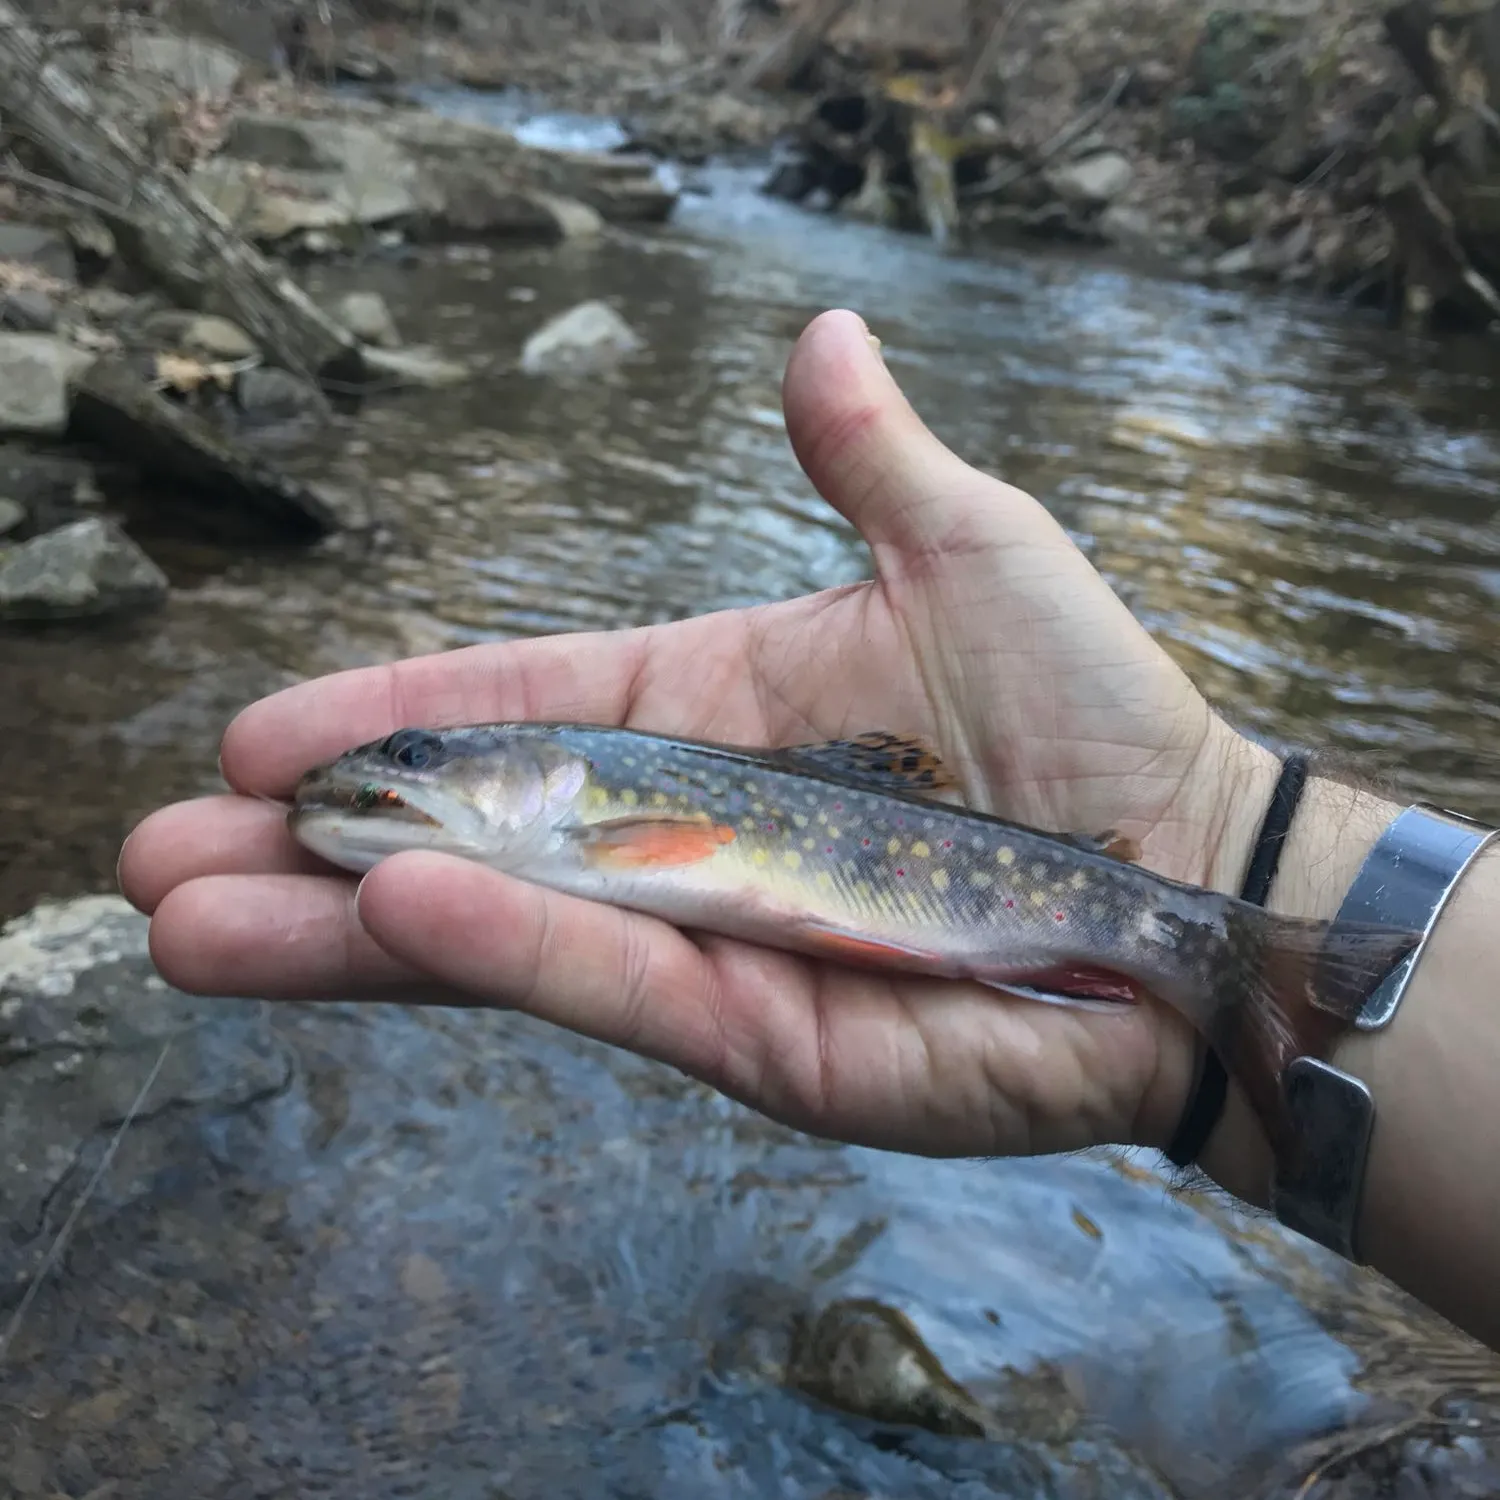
<point>843,850</point>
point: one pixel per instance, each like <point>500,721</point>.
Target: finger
<point>585,676</point>
<point>208,836</point>
<point>279,937</point>
<point>620,978</point>
<point>873,458</point>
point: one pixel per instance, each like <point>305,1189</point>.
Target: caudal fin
<point>1295,988</point>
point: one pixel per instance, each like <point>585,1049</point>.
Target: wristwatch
<point>1405,882</point>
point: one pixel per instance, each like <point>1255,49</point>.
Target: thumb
<point>877,463</point>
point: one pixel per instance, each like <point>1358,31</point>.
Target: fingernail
<point>120,860</point>
<point>359,891</point>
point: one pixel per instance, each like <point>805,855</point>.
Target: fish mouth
<point>320,794</point>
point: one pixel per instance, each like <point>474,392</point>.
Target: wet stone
<point>90,567</point>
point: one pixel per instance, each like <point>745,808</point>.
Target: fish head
<point>493,793</point>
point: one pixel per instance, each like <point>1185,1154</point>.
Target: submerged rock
<point>36,376</point>
<point>88,568</point>
<point>12,513</point>
<point>416,367</point>
<point>588,338</point>
<point>367,317</point>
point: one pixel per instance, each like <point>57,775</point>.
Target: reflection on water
<point>524,1261</point>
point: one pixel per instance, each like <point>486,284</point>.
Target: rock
<point>78,975</point>
<point>184,64</point>
<point>27,310</point>
<point>50,487</point>
<point>621,188</point>
<point>1243,260</point>
<point>91,237</point>
<point>587,338</point>
<point>105,304</point>
<point>475,206</point>
<point>1235,220</point>
<point>416,367</point>
<point>367,317</point>
<point>88,568</point>
<point>1094,181</point>
<point>1130,228</point>
<point>36,374</point>
<point>230,489</point>
<point>202,334</point>
<point>42,250</point>
<point>12,513</point>
<point>217,338</point>
<point>267,395</point>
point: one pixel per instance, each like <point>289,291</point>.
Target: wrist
<point>1331,834</point>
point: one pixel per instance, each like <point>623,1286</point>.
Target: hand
<point>984,630</point>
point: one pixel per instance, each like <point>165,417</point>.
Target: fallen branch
<point>177,237</point>
<point>1058,144</point>
<point>789,51</point>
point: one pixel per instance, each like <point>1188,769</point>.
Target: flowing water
<point>460,1255</point>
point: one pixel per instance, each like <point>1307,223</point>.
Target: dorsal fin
<point>880,759</point>
<point>1111,842</point>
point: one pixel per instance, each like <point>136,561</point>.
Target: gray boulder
<point>88,568</point>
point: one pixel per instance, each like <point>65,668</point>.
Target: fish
<point>856,851</point>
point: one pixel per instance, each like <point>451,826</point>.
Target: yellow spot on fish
<point>597,796</point>
<point>1006,856</point>
<point>921,849</point>
<point>791,859</point>
<point>760,857</point>
<point>1039,898</point>
<point>630,761</point>
<point>750,786</point>
<point>823,881</point>
<point>940,880</point>
<point>799,820</point>
<point>629,798</point>
<point>981,878</point>
<point>833,832</point>
<point>894,847</point>
<point>756,807</point>
<point>748,824</point>
<point>658,799</point>
<point>862,889</point>
<point>809,843</point>
<point>1080,879</point>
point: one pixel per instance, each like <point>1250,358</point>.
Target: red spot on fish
<point>901,873</point>
<point>947,843</point>
<point>865,842</point>
<point>829,849</point>
<point>770,828</point>
<point>838,807</point>
<point>1009,905</point>
<point>1058,916</point>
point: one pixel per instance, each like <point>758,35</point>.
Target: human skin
<point>985,630</point>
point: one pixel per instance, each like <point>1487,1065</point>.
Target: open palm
<point>984,631</point>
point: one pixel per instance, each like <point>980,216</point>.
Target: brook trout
<point>842,850</point>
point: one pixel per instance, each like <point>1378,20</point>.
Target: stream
<point>460,1255</point>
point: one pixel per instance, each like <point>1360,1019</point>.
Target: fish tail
<point>1292,988</point>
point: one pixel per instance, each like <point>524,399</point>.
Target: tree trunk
<point>174,235</point>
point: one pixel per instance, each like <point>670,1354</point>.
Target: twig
<point>51,188</point>
<point>989,55</point>
<point>1060,142</point>
<point>56,1248</point>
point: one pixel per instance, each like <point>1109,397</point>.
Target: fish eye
<point>413,748</point>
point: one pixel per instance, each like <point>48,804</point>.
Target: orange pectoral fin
<point>654,843</point>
